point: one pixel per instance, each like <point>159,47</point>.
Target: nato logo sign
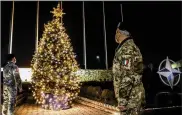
<point>169,76</point>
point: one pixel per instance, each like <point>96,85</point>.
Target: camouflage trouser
<point>9,100</point>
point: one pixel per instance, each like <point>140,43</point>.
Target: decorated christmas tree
<point>54,82</point>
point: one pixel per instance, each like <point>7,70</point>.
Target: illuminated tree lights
<point>55,83</point>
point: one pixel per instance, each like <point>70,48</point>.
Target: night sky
<point>155,27</point>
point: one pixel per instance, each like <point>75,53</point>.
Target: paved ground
<point>78,109</point>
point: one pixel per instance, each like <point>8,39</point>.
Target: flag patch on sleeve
<point>125,62</point>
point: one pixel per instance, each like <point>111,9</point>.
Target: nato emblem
<point>168,75</point>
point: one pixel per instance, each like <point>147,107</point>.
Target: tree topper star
<point>58,13</point>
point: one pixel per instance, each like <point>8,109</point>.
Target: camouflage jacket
<point>127,72</point>
<point>11,76</point>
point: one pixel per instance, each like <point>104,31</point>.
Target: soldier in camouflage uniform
<point>11,81</point>
<point>127,73</point>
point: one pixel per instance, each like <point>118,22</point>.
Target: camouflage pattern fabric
<point>11,81</point>
<point>9,100</point>
<point>127,73</point>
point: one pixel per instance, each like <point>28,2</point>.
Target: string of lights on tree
<point>54,82</point>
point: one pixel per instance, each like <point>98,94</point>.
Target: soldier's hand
<point>21,90</point>
<point>122,108</point>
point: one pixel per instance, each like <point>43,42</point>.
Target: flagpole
<point>84,38</point>
<point>121,12</point>
<point>61,9</point>
<point>105,40</point>
<point>11,33</point>
<point>37,27</point>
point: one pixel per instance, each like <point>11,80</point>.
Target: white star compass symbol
<point>169,73</point>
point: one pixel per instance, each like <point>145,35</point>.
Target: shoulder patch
<point>125,62</point>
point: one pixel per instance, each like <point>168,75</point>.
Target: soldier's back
<point>8,76</point>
